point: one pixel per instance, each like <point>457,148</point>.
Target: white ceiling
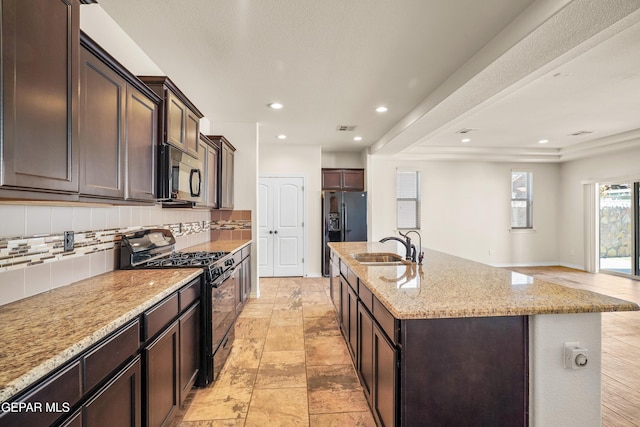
<point>513,71</point>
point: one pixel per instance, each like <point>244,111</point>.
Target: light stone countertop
<point>43,332</point>
<point>446,286</point>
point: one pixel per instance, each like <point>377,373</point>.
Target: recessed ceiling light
<point>465,140</point>
<point>382,109</point>
<point>282,136</point>
<point>357,138</point>
<point>275,105</point>
<point>543,141</point>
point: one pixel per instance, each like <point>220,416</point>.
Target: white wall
<point>343,159</point>
<point>279,159</point>
<point>573,174</point>
<point>466,209</point>
<point>98,25</point>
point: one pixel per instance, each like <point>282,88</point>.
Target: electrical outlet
<point>68,241</point>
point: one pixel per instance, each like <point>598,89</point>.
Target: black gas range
<point>154,248</point>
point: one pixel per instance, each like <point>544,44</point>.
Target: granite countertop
<point>43,332</point>
<point>446,286</point>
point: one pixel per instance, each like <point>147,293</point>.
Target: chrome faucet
<point>410,249</point>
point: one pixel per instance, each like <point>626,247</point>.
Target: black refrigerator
<point>344,219</point>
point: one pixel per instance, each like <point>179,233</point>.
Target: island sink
<point>379,258</point>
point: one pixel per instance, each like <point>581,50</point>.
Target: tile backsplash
<point>32,259</point>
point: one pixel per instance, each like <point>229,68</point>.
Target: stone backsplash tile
<point>24,251</point>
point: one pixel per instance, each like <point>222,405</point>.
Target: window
<point>521,199</point>
<point>408,199</point>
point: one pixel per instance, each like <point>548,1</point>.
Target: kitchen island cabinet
<point>456,342</point>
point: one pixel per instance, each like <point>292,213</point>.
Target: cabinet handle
<point>270,231</point>
<point>275,232</point>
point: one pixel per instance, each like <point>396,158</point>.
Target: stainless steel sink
<point>379,258</point>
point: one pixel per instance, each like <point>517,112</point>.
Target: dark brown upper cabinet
<point>343,179</point>
<point>226,171</point>
<point>210,156</point>
<point>118,129</point>
<point>40,53</point>
<point>179,123</point>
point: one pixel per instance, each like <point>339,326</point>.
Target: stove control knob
<point>229,262</point>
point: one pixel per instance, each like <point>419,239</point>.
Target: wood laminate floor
<point>290,366</point>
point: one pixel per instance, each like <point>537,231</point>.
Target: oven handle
<point>224,276</point>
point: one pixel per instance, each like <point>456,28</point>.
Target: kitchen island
<point>455,342</point>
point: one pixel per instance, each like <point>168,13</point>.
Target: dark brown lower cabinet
<point>349,316</point>
<point>161,382</point>
<point>74,420</point>
<point>189,349</point>
<point>377,359</point>
<point>436,372</point>
<point>465,371</point>
<point>118,403</point>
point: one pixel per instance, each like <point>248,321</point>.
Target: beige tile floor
<point>289,366</point>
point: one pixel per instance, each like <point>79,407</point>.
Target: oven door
<point>223,303</point>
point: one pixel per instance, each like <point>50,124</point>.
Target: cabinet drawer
<point>385,319</point>
<point>246,251</point>
<point>237,257</point>
<point>60,392</point>
<point>366,296</point>
<point>103,360</point>
<point>189,294</point>
<point>352,279</point>
<point>158,317</point>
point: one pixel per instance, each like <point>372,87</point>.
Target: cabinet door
<point>213,155</point>
<point>353,179</point>
<point>102,115</point>
<point>365,351</point>
<point>118,403</point>
<point>385,374</point>
<point>176,119</point>
<point>344,308</point>
<point>189,349</point>
<point>162,388</point>
<point>192,133</point>
<point>239,292</point>
<point>141,142</point>
<point>203,149</point>
<point>353,322</point>
<point>331,179</point>
<point>40,94</point>
<point>246,277</point>
<point>226,175</point>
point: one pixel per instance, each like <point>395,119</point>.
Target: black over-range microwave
<point>180,178</point>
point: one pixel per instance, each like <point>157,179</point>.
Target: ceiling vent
<point>582,132</point>
<point>346,128</point>
<point>466,130</point>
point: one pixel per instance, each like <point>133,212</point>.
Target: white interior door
<point>281,226</point>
